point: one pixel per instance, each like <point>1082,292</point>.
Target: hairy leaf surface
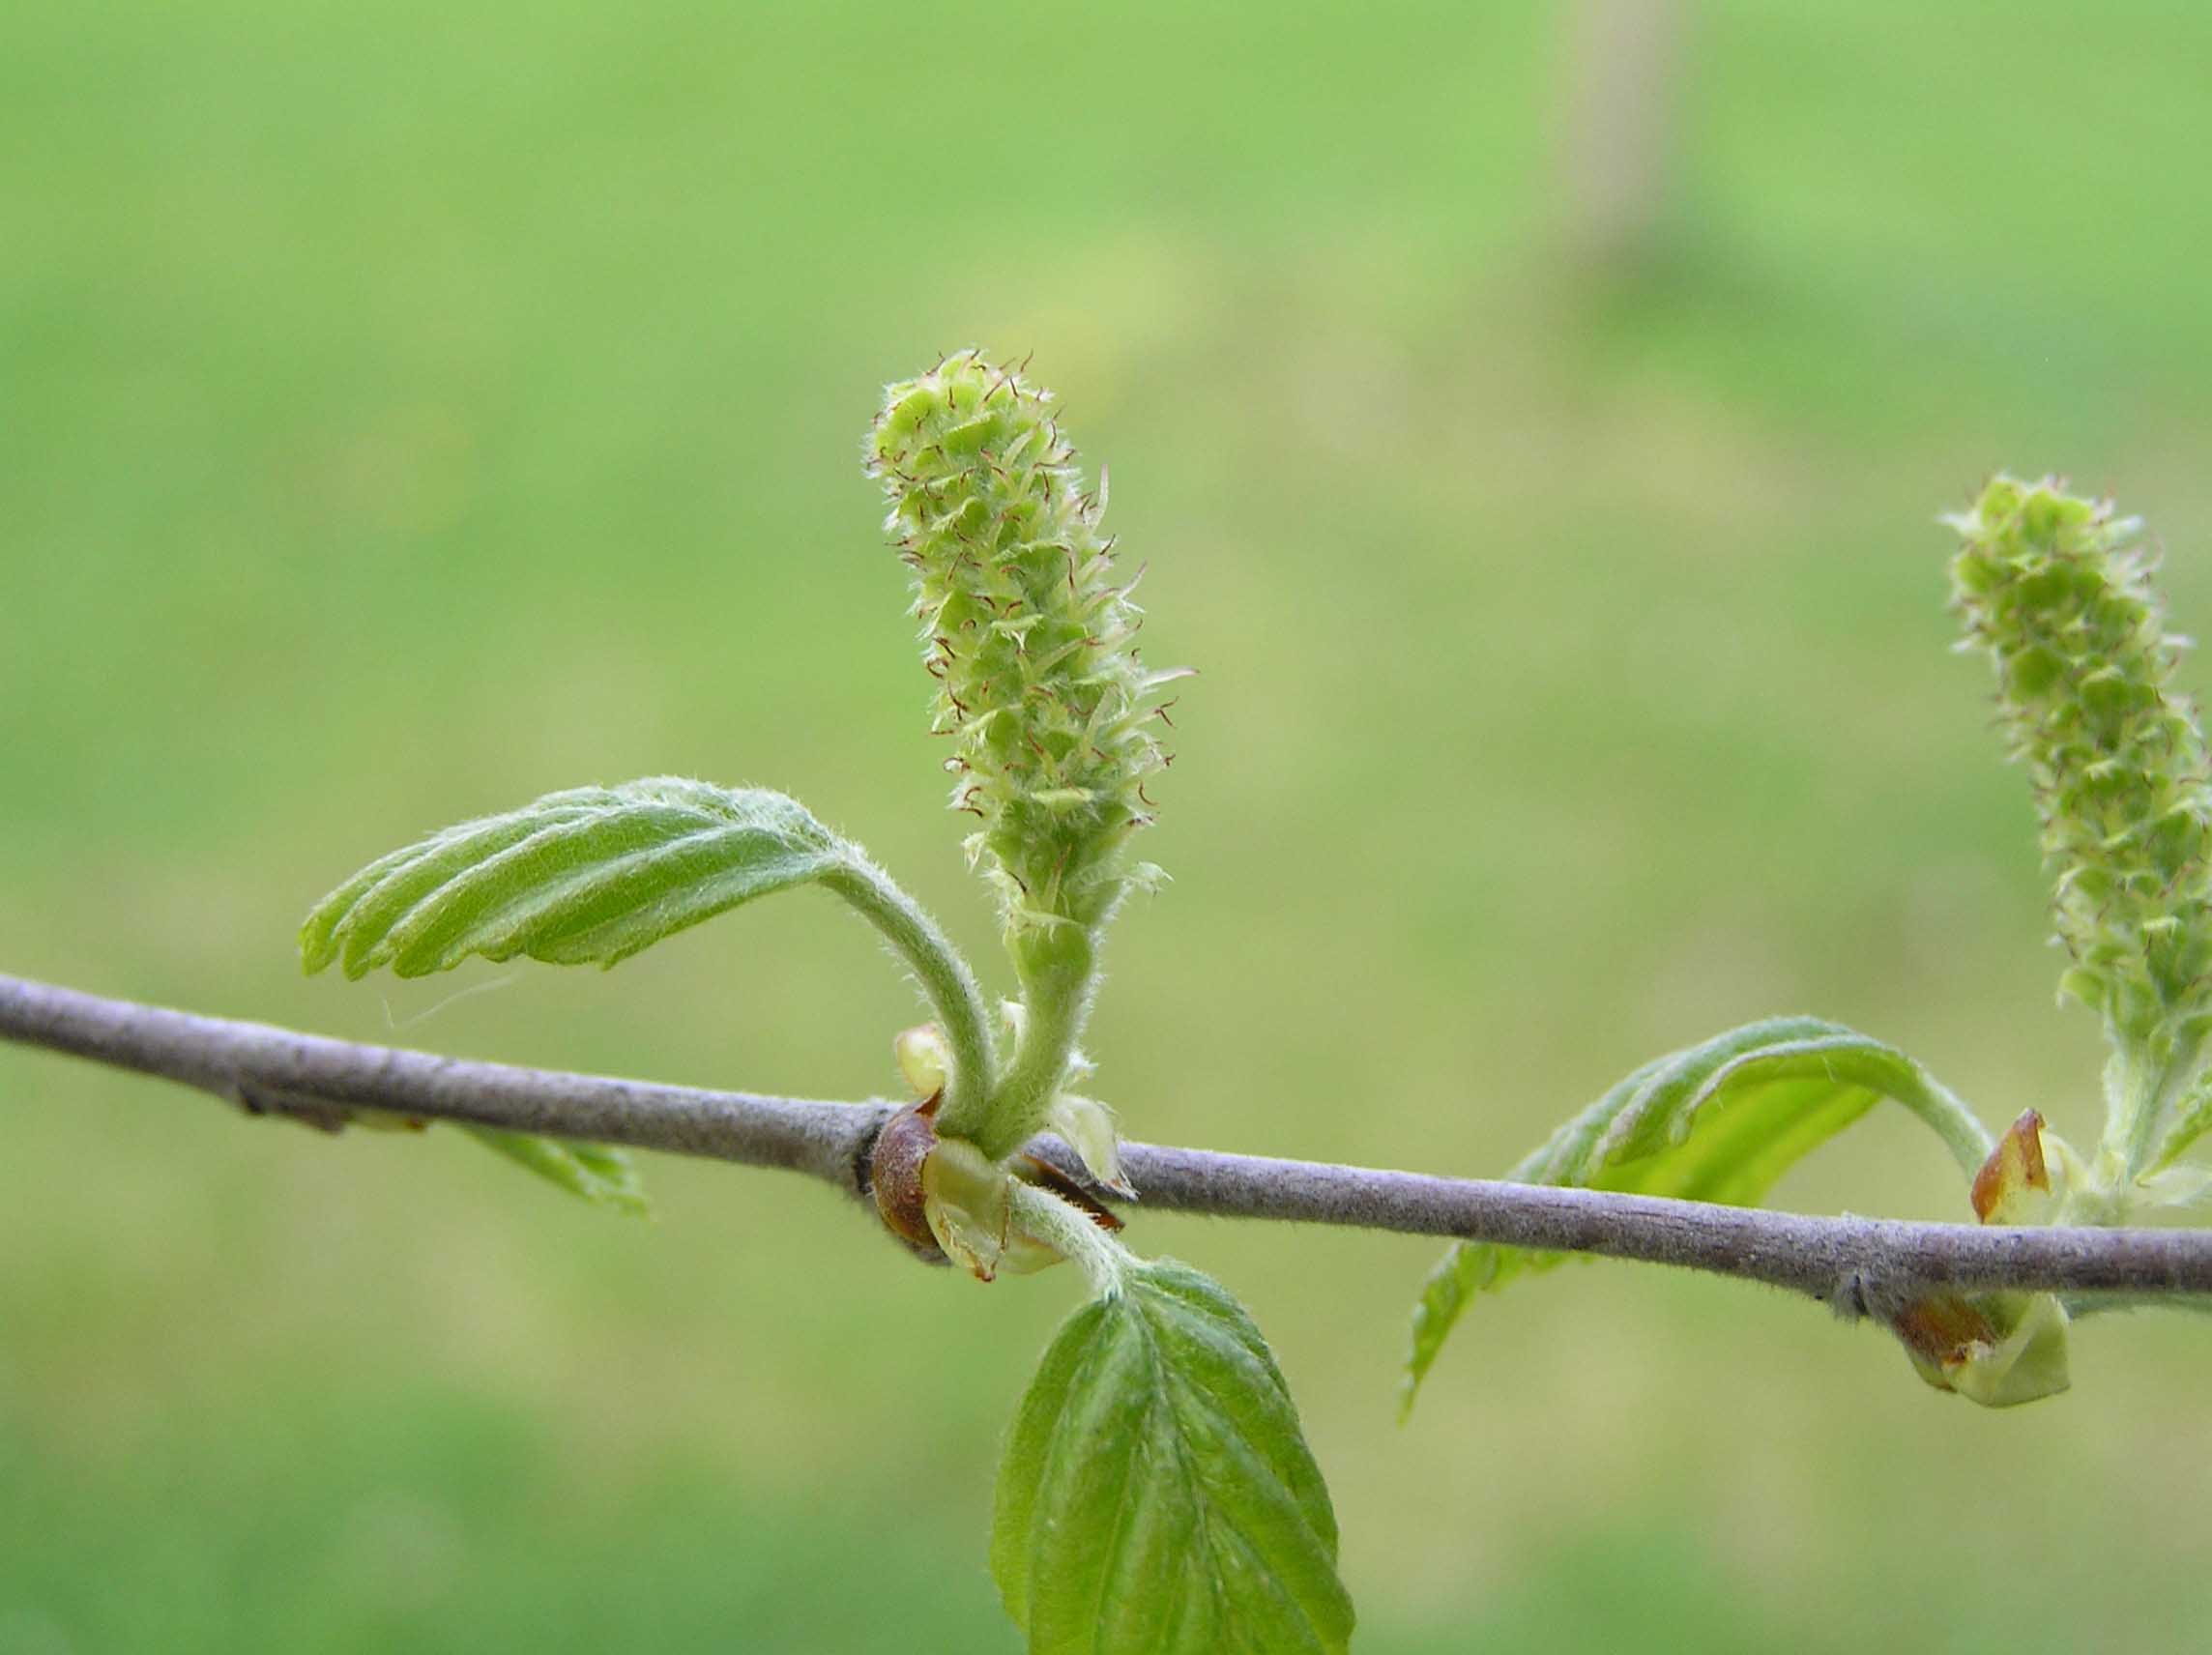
<point>591,875</point>
<point>1157,1497</point>
<point>1719,1121</point>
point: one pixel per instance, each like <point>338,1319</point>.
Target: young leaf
<point>592,874</point>
<point>1719,1121</point>
<point>603,1177</point>
<point>595,874</point>
<point>1157,1495</point>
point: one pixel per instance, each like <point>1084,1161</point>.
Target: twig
<point>1859,1266</point>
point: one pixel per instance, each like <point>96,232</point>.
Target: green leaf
<point>597,873</point>
<point>592,874</point>
<point>1720,1121</point>
<point>1158,1495</point>
<point>603,1177</point>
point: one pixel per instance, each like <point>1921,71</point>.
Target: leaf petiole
<point>1074,1235</point>
<point>946,978</point>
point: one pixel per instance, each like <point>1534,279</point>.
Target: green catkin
<point>1029,633</point>
<point>1051,721</point>
<point>2058,592</point>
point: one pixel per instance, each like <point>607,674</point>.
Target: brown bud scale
<point>894,1174</point>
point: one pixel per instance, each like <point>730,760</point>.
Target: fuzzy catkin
<point>2058,590</point>
<point>1047,710</point>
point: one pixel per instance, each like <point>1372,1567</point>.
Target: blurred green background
<point>1534,430</point>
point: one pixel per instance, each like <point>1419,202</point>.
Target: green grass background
<point>406,409</point>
